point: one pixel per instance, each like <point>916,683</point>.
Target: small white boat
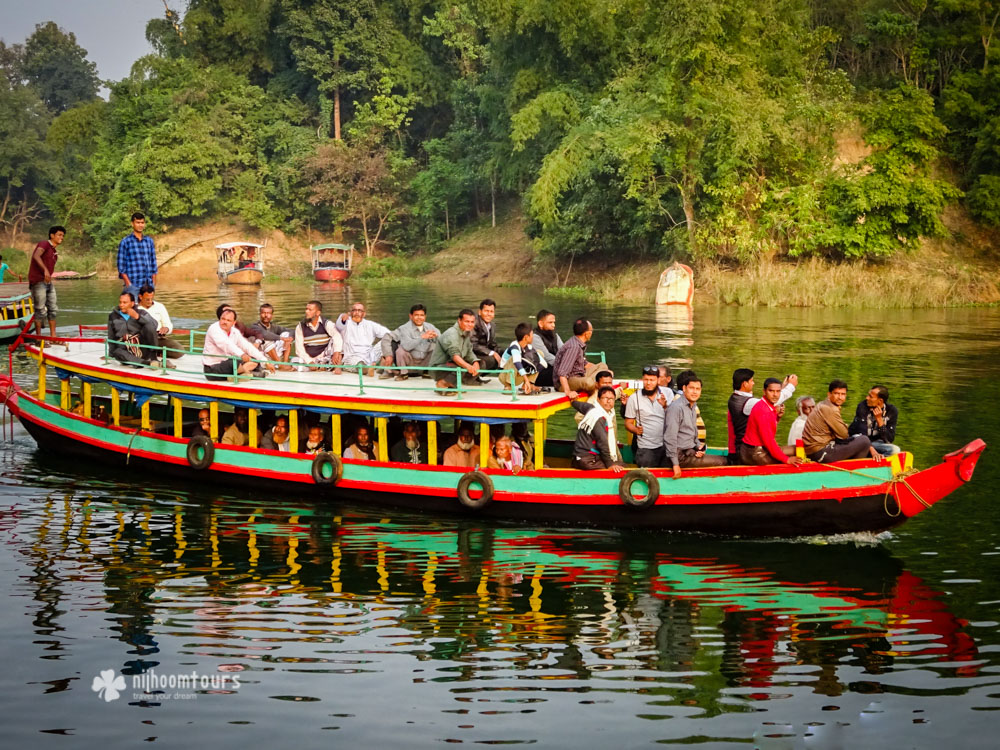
<point>676,286</point>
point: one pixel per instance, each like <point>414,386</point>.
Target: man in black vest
<point>736,419</point>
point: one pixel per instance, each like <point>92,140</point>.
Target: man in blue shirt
<point>3,271</point>
<point>137,258</point>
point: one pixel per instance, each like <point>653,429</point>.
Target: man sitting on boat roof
<point>825,435</point>
<point>223,343</point>
<point>317,340</point>
<point>454,347</point>
<point>547,343</point>
<point>414,343</point>
<point>596,445</point>
<point>362,337</point>
<point>410,449</point>
<point>164,326</point>
<point>272,339</point>
<point>520,359</point>
<point>132,333</point>
<point>484,336</point>
<point>573,373</point>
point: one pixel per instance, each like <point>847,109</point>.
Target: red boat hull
<point>331,274</point>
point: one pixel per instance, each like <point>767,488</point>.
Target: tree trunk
<point>336,112</point>
<point>568,270</point>
<point>493,202</point>
<point>447,223</point>
<point>687,196</point>
<point>369,250</point>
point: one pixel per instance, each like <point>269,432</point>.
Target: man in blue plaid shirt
<point>137,258</point>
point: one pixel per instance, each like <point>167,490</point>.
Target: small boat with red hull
<point>240,262</point>
<point>144,417</point>
<point>332,262</point>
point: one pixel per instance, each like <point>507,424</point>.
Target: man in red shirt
<point>759,446</point>
<point>40,270</point>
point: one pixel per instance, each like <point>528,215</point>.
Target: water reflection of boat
<point>465,588</point>
<point>154,433</point>
<point>674,324</point>
<point>240,262</point>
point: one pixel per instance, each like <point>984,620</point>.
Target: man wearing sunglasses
<point>644,412</point>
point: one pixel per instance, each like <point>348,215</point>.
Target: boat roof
<point>229,245</point>
<point>332,246</point>
<point>321,391</point>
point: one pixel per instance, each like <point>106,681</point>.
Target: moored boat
<point>144,417</point>
<point>240,262</point>
<point>17,309</point>
<point>332,262</point>
<point>676,285</point>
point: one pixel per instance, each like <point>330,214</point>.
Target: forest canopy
<point>626,128</point>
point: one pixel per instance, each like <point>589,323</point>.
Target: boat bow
<point>917,492</point>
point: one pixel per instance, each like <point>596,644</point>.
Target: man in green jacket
<point>454,348</point>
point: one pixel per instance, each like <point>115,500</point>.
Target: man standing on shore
<point>40,270</point>
<point>137,257</point>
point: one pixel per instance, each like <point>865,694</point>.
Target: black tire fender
<point>647,478</point>
<point>475,478</point>
<point>327,468</point>
<point>200,452</point>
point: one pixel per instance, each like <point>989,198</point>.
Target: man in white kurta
<point>362,337</point>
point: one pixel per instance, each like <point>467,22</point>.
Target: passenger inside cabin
<point>204,426</point>
<point>876,418</point>
<point>464,452</point>
<point>238,433</point>
<point>278,437</point>
<point>315,441</point>
<point>596,445</point>
<point>410,449</point>
<point>361,447</point>
<point>504,457</point>
<point>521,440</point>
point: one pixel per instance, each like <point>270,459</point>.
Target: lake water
<point>216,620</point>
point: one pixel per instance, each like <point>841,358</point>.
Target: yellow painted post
<point>64,394</point>
<point>383,439</point>
<point>539,443</point>
<point>293,430</point>
<point>116,408</point>
<point>85,394</point>
<point>484,445</point>
<point>213,420</point>
<point>335,434</point>
<point>41,379</point>
<point>178,417</point>
<point>252,413</point>
<point>432,443</point>
<point>144,419</point>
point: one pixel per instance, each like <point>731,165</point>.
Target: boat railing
<point>17,307</point>
<point>160,354</point>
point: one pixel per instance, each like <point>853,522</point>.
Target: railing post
<point>178,417</point>
<point>484,444</point>
<point>213,420</point>
<point>86,392</point>
<point>293,430</point>
<point>539,443</point>
<point>116,407</point>
<point>432,443</point>
<point>335,434</point>
<point>252,414</point>
<point>361,381</point>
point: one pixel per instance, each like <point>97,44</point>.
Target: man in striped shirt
<point>317,340</point>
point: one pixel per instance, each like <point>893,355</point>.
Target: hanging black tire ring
<point>645,480</point>
<point>200,452</point>
<point>326,468</point>
<point>475,490</point>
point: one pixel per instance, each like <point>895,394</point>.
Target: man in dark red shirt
<point>759,446</point>
<point>40,270</point>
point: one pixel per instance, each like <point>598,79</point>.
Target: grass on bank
<point>925,279</point>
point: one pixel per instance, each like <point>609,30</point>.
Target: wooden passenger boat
<point>143,417</point>
<point>240,262</point>
<point>17,309</point>
<point>332,262</point>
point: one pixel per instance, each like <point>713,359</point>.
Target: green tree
<point>24,158</point>
<point>58,68</point>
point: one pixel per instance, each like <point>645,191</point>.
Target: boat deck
<point>351,390</point>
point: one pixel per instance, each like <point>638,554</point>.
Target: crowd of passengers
<point>660,414</point>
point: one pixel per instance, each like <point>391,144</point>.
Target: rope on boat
<point>893,480</point>
<point>128,451</point>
